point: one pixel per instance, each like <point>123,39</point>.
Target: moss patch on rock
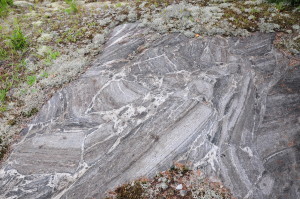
<point>178,182</point>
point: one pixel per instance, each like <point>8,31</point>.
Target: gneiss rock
<point>230,106</point>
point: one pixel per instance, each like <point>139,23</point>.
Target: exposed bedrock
<point>230,106</point>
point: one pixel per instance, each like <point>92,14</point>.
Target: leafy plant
<point>4,5</point>
<point>73,6</point>
<point>118,5</point>
<point>280,6</point>
<point>9,2</point>
<point>31,80</point>
<point>18,40</point>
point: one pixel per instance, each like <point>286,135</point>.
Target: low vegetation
<point>5,6</point>
<point>286,2</point>
<point>73,8</point>
<point>17,40</point>
<point>177,182</point>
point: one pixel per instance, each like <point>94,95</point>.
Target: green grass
<point>18,40</point>
<point>51,56</point>
<point>4,7</point>
<point>3,109</point>
<point>31,80</point>
<point>73,6</point>
<point>118,5</point>
<point>3,93</point>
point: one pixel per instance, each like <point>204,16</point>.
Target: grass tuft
<point>31,80</point>
<point>2,95</point>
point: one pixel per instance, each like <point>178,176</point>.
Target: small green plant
<point>4,7</point>
<point>18,40</point>
<point>73,6</point>
<point>51,55</point>
<point>118,5</point>
<point>3,93</point>
<point>3,54</point>
<point>3,109</point>
<point>280,6</point>
<point>31,80</point>
<point>253,10</point>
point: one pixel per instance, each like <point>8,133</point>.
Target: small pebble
<point>163,186</point>
<point>179,187</point>
<point>183,192</point>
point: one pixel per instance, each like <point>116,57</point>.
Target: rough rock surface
<point>227,105</point>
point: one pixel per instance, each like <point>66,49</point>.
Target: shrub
<point>18,40</point>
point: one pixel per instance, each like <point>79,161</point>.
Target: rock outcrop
<point>230,106</point>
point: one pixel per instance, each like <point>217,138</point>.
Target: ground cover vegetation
<point>179,182</point>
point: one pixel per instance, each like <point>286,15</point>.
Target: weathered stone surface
<point>227,105</point>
